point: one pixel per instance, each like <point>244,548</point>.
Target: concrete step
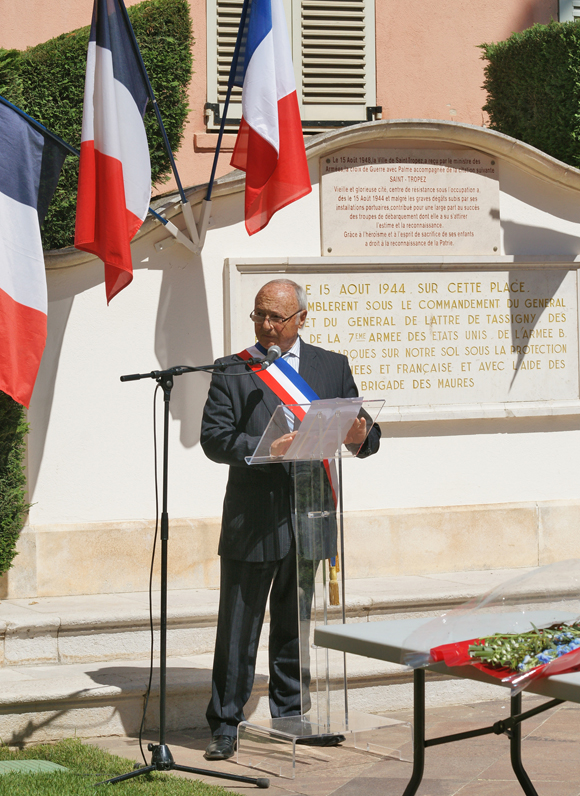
<point>44,703</point>
<point>114,627</point>
<point>79,665</point>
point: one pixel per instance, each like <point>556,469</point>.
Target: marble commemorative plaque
<point>409,202</point>
<point>454,337</point>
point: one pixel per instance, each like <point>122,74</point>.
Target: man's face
<point>281,301</point>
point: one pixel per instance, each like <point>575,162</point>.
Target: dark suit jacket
<point>257,513</point>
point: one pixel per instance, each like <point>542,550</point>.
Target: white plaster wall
<point>489,466</point>
<point>90,449</point>
<point>537,218</point>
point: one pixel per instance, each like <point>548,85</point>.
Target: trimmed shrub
<point>533,84</point>
<point>13,505</point>
<point>47,81</point>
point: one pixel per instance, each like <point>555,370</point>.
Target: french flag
<point>270,144</point>
<point>30,164</point>
<point>114,186</point>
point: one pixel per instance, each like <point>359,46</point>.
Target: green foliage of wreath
<point>533,85</point>
<point>47,81</point>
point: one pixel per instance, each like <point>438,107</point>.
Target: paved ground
<point>475,767</point>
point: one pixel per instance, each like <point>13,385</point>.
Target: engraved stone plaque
<point>455,337</point>
<point>409,202</point>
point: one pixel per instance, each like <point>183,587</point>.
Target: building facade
<point>469,476</point>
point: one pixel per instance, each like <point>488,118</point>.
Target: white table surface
<point>390,640</point>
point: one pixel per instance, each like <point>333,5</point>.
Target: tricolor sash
<point>289,386</point>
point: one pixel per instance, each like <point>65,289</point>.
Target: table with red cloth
<point>393,640</point>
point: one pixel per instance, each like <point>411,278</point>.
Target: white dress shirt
<point>292,357</point>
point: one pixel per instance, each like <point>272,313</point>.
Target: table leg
<point>515,736</point>
<point>418,732</point>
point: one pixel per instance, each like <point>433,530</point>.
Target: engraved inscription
<point>377,201</point>
<point>449,338</point>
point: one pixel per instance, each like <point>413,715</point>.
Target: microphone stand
<point>161,757</point>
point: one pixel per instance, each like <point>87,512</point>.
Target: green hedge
<point>533,84</point>
<point>47,81</point>
<point>13,505</point>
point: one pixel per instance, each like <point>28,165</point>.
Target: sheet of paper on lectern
<point>323,429</point>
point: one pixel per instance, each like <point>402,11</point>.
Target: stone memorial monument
<point>441,258</point>
<point>429,281</point>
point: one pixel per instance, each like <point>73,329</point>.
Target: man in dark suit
<point>257,545</point>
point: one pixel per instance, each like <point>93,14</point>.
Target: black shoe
<point>321,740</point>
<point>222,747</point>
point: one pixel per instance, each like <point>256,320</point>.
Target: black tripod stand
<point>161,757</point>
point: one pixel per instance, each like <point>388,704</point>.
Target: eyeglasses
<point>275,320</point>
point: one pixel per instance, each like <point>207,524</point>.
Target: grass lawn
<point>89,765</point>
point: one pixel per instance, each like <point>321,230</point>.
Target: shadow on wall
<point>536,241</point>
<point>532,12</point>
<point>182,333</point>
<point>62,287</point>
<point>473,427</point>
<point>548,198</point>
<point>188,693</point>
<point>182,337</point>
<point>524,319</point>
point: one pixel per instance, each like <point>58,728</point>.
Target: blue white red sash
<point>289,386</point>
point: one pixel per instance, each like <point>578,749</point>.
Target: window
<point>333,48</point>
<point>569,10</point>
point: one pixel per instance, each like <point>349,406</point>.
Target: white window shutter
<point>333,48</point>
<point>333,51</point>
<point>229,12</point>
<point>569,10</point>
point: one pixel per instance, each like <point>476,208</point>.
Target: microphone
<point>273,353</point>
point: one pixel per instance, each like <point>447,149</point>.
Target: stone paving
<point>474,767</point>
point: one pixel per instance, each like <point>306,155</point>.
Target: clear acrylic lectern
<point>315,456</point>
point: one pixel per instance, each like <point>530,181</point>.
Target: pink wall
<point>428,62</point>
<point>29,22</point>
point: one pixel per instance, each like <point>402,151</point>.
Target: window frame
<point>568,10</point>
<point>315,117</point>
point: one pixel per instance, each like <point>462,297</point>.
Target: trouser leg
<point>290,609</point>
<point>244,590</point>
<point>283,647</point>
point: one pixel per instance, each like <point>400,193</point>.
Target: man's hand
<point>281,445</point>
<point>357,432</point>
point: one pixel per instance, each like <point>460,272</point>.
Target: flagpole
<point>233,69</point>
<point>197,231</point>
<point>193,245</point>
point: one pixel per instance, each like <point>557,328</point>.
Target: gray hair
<point>301,297</point>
